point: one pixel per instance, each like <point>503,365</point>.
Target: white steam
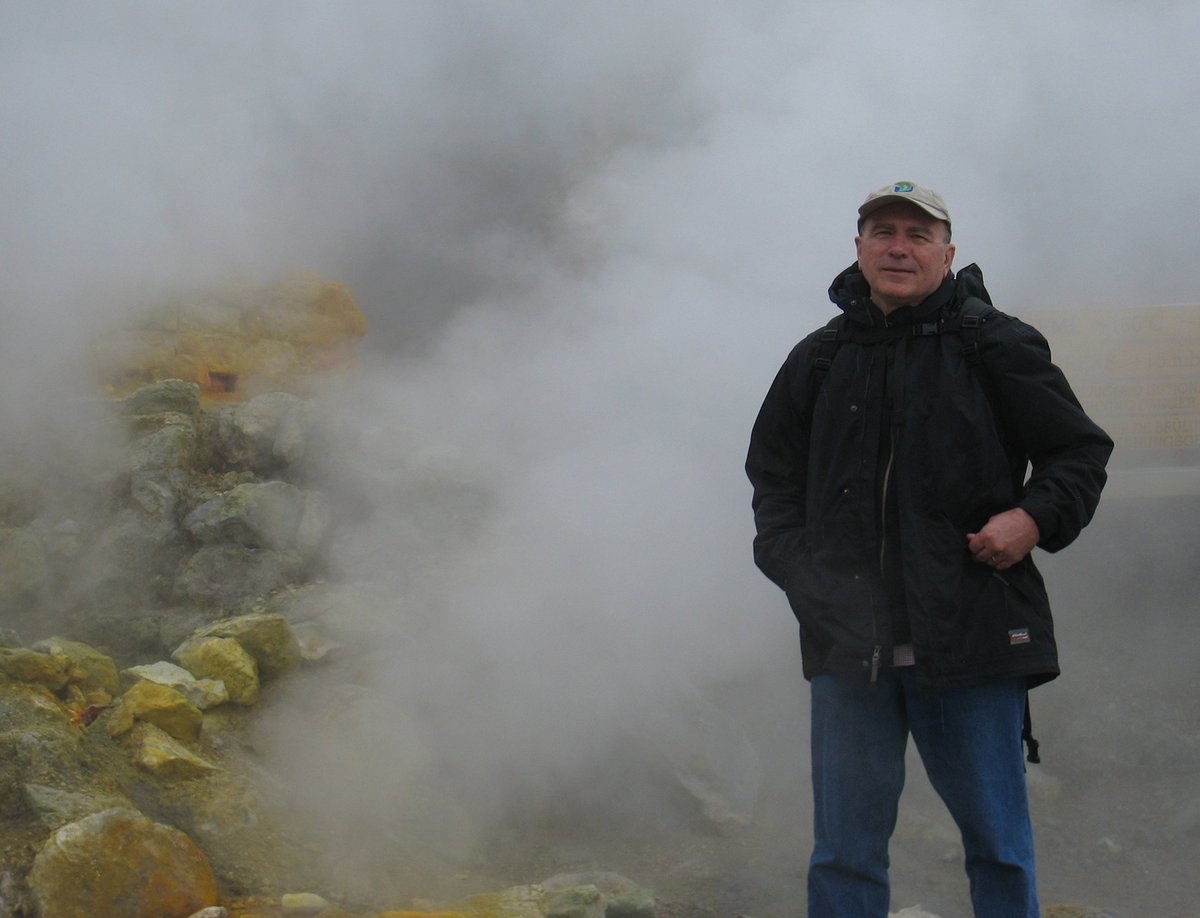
<point>585,235</point>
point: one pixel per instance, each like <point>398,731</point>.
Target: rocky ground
<point>184,704</point>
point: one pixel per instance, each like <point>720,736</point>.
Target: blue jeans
<point>969,740</point>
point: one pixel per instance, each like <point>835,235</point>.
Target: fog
<point>585,235</point>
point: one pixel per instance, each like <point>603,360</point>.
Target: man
<point>905,462</point>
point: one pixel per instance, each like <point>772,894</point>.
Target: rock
<point>265,636</point>
<point>172,444</point>
<point>56,807</point>
<point>247,433</point>
<point>157,491</point>
<point>303,902</point>
<point>38,745</point>
<point>167,395</point>
<point>574,902</point>
<point>118,862</point>
<point>158,752</point>
<point>10,638</point>
<point>291,437</point>
<point>133,560</point>
<point>621,896</point>
<point>225,659</point>
<point>203,693</point>
<point>515,902</point>
<point>315,524</point>
<point>230,576</point>
<point>156,704</point>
<point>315,643</point>
<point>53,671</point>
<point>256,514</point>
<point>98,670</point>
<point>711,757</point>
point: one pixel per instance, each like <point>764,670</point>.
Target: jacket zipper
<point>883,498</point>
<point>887,475</point>
<point>877,652</point>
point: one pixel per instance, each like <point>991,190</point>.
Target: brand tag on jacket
<point>1018,636</point>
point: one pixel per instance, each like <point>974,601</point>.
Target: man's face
<point>904,255</point>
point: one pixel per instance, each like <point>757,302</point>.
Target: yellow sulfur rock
<point>225,659</point>
<point>159,752</point>
<point>51,670</point>
<point>160,705</point>
<point>238,341</point>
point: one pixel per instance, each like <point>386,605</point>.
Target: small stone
<point>302,902</point>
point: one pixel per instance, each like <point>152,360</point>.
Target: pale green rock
<point>303,903</point>
<point>255,514</point>
<point>56,807</point>
<point>574,902</point>
<point>166,395</point>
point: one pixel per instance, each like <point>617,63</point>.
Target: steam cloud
<point>585,235</point>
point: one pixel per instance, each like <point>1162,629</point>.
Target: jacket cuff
<point>1047,521</point>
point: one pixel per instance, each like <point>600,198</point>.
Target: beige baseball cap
<point>925,198</point>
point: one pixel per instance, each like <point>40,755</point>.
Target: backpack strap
<point>832,335</point>
<point>1031,745</point>
<point>966,323</point>
<point>971,316</point>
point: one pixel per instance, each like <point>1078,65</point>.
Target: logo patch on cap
<point>904,186</point>
<point>1018,636</point>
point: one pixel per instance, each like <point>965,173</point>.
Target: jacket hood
<point>851,293</point>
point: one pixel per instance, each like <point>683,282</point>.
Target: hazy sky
<point>585,235</point>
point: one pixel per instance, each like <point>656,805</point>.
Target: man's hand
<point>1006,539</point>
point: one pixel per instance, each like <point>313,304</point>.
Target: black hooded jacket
<point>866,484</point>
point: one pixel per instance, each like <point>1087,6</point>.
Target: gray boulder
<point>234,576</point>
<point>256,515</point>
<point>246,435</point>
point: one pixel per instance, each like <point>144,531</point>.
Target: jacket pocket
<point>1007,616</point>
